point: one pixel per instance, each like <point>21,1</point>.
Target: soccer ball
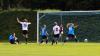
<point>67,38</point>
<point>85,40</point>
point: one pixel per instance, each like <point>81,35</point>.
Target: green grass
<point>33,49</point>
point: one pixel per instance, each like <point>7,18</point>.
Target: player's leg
<point>42,39</point>
<point>53,40</point>
<point>76,40</point>
<point>17,41</point>
<point>46,40</point>
<point>26,38</point>
<point>60,37</point>
<point>57,38</point>
<point>25,34</point>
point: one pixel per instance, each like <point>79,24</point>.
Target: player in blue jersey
<point>71,34</point>
<point>11,39</point>
<point>44,34</point>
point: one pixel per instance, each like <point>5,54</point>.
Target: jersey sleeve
<point>58,27</point>
<point>53,28</point>
<point>28,23</point>
<point>21,22</point>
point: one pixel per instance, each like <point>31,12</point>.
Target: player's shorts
<point>56,35</point>
<point>44,37</point>
<point>12,41</point>
<point>71,36</point>
<point>25,32</point>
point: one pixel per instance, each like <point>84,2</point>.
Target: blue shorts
<point>71,36</point>
<point>12,41</point>
<point>44,37</point>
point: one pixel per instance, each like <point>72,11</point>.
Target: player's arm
<point>67,25</point>
<point>47,33</point>
<point>29,22</point>
<point>18,20</point>
<point>75,26</point>
<point>75,36</point>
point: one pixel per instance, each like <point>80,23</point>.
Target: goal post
<point>63,17</point>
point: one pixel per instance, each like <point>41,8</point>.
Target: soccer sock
<point>46,41</point>
<point>26,40</point>
<point>76,40</point>
<point>56,42</point>
<point>53,41</point>
<point>41,41</point>
<point>17,41</point>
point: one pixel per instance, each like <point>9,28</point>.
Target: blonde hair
<point>69,24</point>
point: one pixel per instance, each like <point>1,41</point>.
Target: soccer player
<point>71,34</point>
<point>56,32</point>
<point>24,24</point>
<point>11,39</point>
<point>44,34</point>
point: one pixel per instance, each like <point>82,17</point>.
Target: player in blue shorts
<point>11,39</point>
<point>71,34</point>
<point>44,34</point>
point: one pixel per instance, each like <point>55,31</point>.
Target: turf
<point>33,49</point>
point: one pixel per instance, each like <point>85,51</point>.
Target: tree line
<point>49,4</point>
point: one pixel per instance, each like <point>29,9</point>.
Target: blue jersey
<point>43,31</point>
<point>11,37</point>
<point>71,30</point>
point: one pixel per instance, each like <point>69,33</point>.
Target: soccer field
<point>33,49</point>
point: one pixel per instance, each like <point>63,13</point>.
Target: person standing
<point>44,34</point>
<point>71,31</point>
<point>25,25</point>
<point>56,33</point>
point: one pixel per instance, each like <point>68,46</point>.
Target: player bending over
<point>44,34</point>
<point>71,35</point>
<point>13,39</point>
<point>56,32</point>
<point>24,24</point>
